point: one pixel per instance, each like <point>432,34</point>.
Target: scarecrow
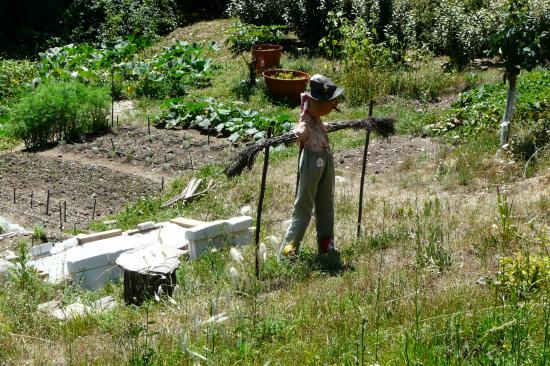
<point>315,191</point>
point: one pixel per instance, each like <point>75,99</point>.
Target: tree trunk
<point>510,105</point>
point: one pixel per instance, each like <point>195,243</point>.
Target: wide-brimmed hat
<point>322,88</point>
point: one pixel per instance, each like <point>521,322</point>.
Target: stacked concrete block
<point>216,234</point>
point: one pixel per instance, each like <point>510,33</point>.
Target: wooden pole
<point>112,96</point>
<point>48,204</point>
<point>117,121</point>
<point>148,126</point>
<point>93,212</point>
<point>60,218</point>
<point>14,195</point>
<point>162,184</point>
<point>64,211</point>
<point>32,198</point>
<point>364,167</point>
<point>260,203</point>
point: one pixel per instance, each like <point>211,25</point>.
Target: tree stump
<point>141,286</point>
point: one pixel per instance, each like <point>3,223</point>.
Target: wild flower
<point>234,276</point>
<point>262,252</point>
<point>236,255</point>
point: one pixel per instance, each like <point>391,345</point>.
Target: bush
<point>60,111</point>
<point>241,37</point>
<point>107,20</point>
<point>523,275</point>
<point>15,78</point>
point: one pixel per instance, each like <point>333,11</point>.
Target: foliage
<point>16,79</point>
<point>60,111</point>
<point>516,40</point>
<point>523,274</point>
<point>241,37</point>
<point>164,74</point>
<point>167,73</point>
<point>108,20</point>
<point>188,11</point>
<point>87,63</point>
<point>462,34</point>
<point>222,118</point>
<point>480,109</point>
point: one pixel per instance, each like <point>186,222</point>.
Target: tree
<point>517,43</point>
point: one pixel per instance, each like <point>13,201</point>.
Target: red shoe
<point>327,246</point>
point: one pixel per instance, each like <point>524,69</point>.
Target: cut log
<point>83,239</point>
<point>141,286</point>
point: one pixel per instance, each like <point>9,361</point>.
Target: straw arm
<point>245,158</point>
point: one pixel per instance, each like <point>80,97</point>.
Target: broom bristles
<point>246,158</point>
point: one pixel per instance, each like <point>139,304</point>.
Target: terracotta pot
<point>267,56</point>
<point>285,89</point>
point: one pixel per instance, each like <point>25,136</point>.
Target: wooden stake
<point>113,144</point>
<point>64,211</point>
<point>117,121</point>
<point>191,160</point>
<point>74,228</point>
<point>148,126</point>
<point>260,204</point>
<point>13,195</point>
<point>112,97</point>
<point>162,184</point>
<point>32,197</point>
<point>93,212</point>
<point>60,218</point>
<point>364,167</point>
<point>48,204</point>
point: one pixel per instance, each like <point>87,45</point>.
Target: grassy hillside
<point>452,266</point>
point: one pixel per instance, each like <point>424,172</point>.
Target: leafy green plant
<point>39,234</point>
<point>225,119</point>
<point>479,110</point>
<point>167,74</point>
<point>60,111</point>
<point>523,274</point>
<point>241,37</point>
<point>16,78</point>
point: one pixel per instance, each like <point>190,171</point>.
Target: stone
<point>88,238</point>
<point>104,304</point>
<point>5,267</point>
<point>148,225</point>
<point>94,279</point>
<point>49,307</point>
<point>9,255</point>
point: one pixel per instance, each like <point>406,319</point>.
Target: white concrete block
<point>156,258</point>
<point>146,225</point>
<point>239,223</point>
<point>95,278</point>
<point>49,307</point>
<point>41,250</point>
<point>210,230</point>
<point>103,304</point>
<point>87,259</point>
<point>88,238</point>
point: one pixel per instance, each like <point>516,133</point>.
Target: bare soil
<point>78,174</point>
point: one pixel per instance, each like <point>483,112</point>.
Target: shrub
<point>107,20</point>
<point>15,78</point>
<point>523,274</point>
<point>60,111</point>
<point>241,37</point>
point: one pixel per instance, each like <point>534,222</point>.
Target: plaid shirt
<point>311,132</point>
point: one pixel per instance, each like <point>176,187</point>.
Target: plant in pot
<point>266,56</point>
<point>286,85</point>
